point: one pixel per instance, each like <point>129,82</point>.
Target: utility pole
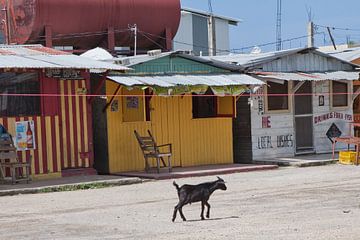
<point>133,28</point>
<point>278,26</point>
<point>310,28</point>
<point>211,31</point>
<point>310,34</point>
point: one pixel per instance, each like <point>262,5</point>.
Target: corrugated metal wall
<point>195,141</point>
<point>308,62</point>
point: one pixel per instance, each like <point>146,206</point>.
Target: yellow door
<point>165,124</point>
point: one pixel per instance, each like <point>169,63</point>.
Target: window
<point>277,98</point>
<point>209,105</point>
<point>136,106</point>
<point>19,83</point>
<point>340,96</point>
<point>204,106</point>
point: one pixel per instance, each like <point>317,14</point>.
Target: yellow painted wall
<point>195,141</point>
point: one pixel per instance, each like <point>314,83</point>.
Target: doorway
<point>303,117</point>
<point>242,142</point>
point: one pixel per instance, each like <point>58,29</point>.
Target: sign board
<point>67,74</point>
<point>25,135</point>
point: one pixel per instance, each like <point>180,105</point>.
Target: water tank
<point>84,23</point>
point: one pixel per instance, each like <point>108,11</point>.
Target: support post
<point>168,36</point>
<point>111,39</point>
<point>48,36</point>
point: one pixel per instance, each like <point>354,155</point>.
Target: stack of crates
<point>347,157</point>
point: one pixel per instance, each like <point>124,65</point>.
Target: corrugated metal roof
<point>191,80</point>
<point>135,60</point>
<point>340,75</point>
<point>248,60</point>
<point>37,56</point>
<point>349,54</point>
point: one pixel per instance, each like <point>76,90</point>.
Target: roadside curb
<point>318,163</point>
<point>299,163</point>
<point>212,172</point>
<point>73,186</point>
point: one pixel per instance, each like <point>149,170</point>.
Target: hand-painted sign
<point>25,135</point>
<point>132,102</point>
<point>264,142</point>
<point>67,74</point>
<point>284,141</point>
<point>266,122</point>
<point>333,132</point>
<point>332,115</point>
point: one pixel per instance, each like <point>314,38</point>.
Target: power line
<point>339,28</point>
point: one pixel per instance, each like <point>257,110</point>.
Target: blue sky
<point>259,20</point>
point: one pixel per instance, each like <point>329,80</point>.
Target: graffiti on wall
<point>282,141</point>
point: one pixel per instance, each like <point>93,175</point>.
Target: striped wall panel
<point>74,128</point>
<point>45,158</point>
<point>62,141</point>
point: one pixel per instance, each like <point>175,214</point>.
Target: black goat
<point>197,193</point>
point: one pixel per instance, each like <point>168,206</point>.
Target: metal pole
<point>135,44</point>
<point>6,22</point>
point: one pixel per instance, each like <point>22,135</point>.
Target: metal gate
<point>303,117</point>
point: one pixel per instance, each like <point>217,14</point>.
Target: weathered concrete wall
<point>279,138</point>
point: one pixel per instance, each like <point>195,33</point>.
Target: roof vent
<point>154,52</point>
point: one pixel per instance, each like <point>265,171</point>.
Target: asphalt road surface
<point>289,203</point>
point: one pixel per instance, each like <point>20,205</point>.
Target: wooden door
<point>165,124</point>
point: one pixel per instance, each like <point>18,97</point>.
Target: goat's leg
<point>202,210</point>
<point>208,210</point>
<point>174,214</point>
<point>181,214</point>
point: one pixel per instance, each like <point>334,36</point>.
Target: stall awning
<point>301,76</point>
<point>221,84</point>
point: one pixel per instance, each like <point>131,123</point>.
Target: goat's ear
<point>220,178</point>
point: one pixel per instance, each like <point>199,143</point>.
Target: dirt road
<point>289,203</point>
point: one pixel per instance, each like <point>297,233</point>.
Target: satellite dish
<point>256,50</point>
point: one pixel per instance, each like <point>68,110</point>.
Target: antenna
<point>210,7</point>
<point>278,26</point>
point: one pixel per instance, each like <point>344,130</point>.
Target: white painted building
<point>305,103</point>
<point>196,34</point>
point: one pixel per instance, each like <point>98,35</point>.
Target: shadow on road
<point>213,219</point>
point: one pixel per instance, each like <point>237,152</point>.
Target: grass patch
<point>76,187</point>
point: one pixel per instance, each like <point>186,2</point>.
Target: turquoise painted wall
<point>168,64</point>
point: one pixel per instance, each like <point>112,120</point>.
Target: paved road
<point>289,203</point>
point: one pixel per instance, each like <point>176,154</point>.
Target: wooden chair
<point>19,171</point>
<point>150,150</point>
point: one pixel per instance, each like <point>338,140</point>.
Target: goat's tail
<point>176,185</point>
